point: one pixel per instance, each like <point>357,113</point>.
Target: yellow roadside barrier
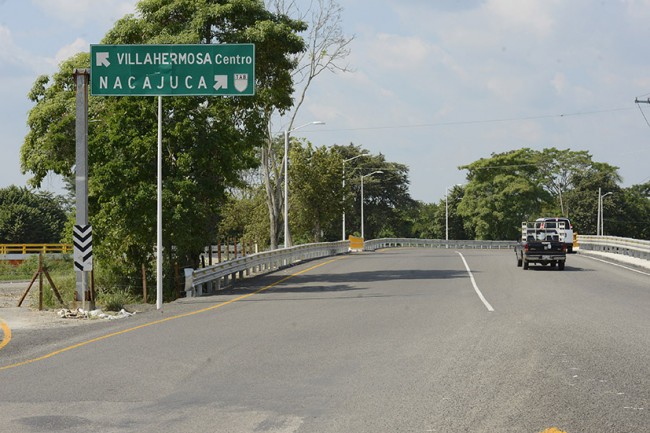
<point>35,248</point>
<point>356,244</point>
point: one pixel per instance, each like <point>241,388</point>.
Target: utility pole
<point>83,246</point>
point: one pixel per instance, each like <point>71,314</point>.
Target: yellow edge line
<point>7,331</point>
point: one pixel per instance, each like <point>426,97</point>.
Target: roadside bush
<point>115,301</point>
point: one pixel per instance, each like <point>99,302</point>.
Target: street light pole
<point>286,177</point>
<point>598,213</point>
<point>602,218</point>
<point>344,161</point>
<point>447,211</point>
<point>362,176</point>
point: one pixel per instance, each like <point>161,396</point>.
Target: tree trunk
<point>272,196</point>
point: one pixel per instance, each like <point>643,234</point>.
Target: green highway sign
<point>172,70</point>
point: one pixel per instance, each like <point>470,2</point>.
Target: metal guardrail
<point>207,280</point>
<point>35,248</point>
<point>612,244</point>
<point>376,244</point>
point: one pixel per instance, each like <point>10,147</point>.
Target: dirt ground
<point>26,317</point>
<point>29,317</point>
<point>11,291</point>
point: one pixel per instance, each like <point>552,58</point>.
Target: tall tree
<point>584,195</point>
<point>315,186</point>
<point>501,192</point>
<point>327,49</point>
<point>386,199</point>
<point>207,140</point>
<point>245,216</point>
<point>636,220</point>
<point>556,167</point>
<point>426,224</point>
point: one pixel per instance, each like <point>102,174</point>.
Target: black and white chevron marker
<point>82,239</point>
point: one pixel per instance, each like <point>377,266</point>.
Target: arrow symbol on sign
<point>102,59</point>
<point>220,82</point>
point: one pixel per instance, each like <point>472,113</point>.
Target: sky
<point>434,84</point>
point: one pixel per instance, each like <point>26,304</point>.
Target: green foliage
<point>501,192</point>
<point>111,294</point>
<point>30,217</point>
<point>60,270</point>
<point>636,208</point>
<point>434,220</point>
<point>26,270</point>
<point>626,211</point>
<point>65,282</point>
<point>525,184</point>
<point>246,217</point>
<point>115,300</point>
<point>426,222</point>
<point>315,193</point>
<point>388,206</point>
<point>556,168</point>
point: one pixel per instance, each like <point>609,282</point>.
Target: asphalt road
<point>401,340</point>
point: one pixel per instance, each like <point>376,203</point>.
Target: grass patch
<point>115,301</point>
<point>112,292</point>
<point>26,270</point>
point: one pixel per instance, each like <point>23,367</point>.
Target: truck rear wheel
<point>560,265</point>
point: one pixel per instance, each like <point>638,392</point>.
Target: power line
<point>638,101</point>
<point>472,122</point>
<point>643,114</point>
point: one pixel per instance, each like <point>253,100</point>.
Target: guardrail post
<point>189,281</point>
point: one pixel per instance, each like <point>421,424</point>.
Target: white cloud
<point>78,13</point>
<point>559,83</point>
<point>524,15</point>
<point>399,52</point>
<point>14,59</point>
<point>78,46</point>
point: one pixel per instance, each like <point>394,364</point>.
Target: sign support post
<point>159,248</point>
<point>82,78</point>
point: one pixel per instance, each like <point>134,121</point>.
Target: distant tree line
<point>28,217</point>
<point>524,184</point>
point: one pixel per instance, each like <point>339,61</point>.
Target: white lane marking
<point>615,264</point>
<point>476,289</point>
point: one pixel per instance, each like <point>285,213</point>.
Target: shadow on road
<point>327,283</point>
